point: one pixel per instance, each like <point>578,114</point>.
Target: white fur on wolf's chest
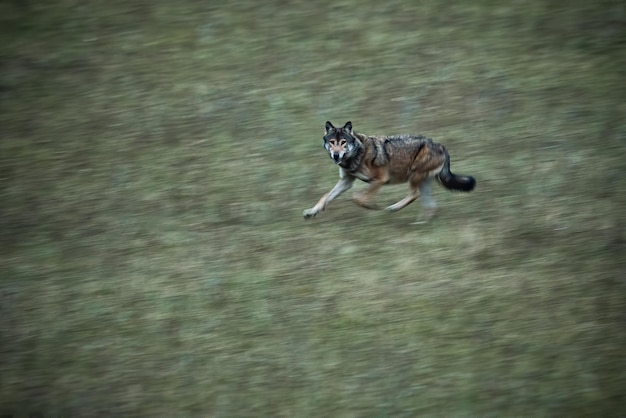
<point>358,174</point>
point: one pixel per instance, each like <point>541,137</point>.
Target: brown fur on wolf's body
<point>388,160</point>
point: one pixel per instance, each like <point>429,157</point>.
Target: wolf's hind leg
<point>430,206</point>
<point>413,194</point>
<point>342,185</point>
<point>417,183</point>
<point>427,198</point>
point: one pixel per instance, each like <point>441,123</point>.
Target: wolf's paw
<point>309,213</point>
<point>391,209</point>
<point>428,215</point>
<point>365,203</point>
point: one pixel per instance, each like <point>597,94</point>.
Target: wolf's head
<point>340,142</point>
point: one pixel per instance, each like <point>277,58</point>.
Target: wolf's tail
<point>454,181</point>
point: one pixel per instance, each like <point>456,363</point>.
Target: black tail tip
<point>471,183</point>
<point>455,182</point>
<point>459,183</point>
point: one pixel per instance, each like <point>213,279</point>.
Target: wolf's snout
<point>336,156</point>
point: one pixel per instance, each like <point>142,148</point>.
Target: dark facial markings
<point>335,142</point>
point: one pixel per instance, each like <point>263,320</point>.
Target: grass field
<point>155,159</point>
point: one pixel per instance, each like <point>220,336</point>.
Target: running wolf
<point>388,160</point>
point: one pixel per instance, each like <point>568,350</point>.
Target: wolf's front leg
<point>342,185</point>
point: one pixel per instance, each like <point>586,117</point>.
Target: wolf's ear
<point>329,127</point>
<point>347,126</point>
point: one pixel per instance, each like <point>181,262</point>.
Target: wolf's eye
<point>343,142</point>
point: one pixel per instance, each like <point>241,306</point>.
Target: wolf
<point>380,160</point>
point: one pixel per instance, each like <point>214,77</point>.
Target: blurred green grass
<point>156,158</point>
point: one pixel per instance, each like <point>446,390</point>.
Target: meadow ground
<point>155,159</point>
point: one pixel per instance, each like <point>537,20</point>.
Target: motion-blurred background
<point>156,157</point>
